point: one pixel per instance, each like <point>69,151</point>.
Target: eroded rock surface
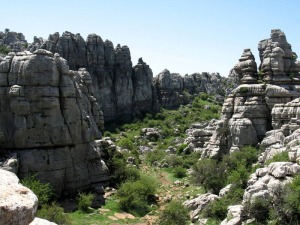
<point>174,90</point>
<point>256,106</point>
<point>18,204</point>
<point>13,41</point>
<point>51,119</point>
<point>121,90</point>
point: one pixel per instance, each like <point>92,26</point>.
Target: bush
<point>84,201</point>
<point>125,143</point>
<point>218,208</point>
<point>156,155</point>
<point>180,148</point>
<point>135,196</point>
<point>179,172</point>
<point>209,174</point>
<point>119,170</point>
<point>43,191</point>
<point>280,157</point>
<point>54,213</point>
<point>258,209</point>
<point>174,160</point>
<point>174,214</point>
<point>4,50</point>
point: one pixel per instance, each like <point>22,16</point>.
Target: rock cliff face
<point>13,41</point>
<point>50,119</point>
<point>246,114</point>
<point>173,90</point>
<point>121,90</point>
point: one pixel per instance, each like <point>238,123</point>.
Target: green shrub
<point>4,50</point>
<point>135,196</point>
<point>119,170</point>
<point>280,157</point>
<point>204,96</point>
<point>125,143</point>
<point>43,191</point>
<point>180,148</point>
<point>209,174</point>
<point>243,90</point>
<point>84,201</point>
<point>174,214</point>
<point>156,155</point>
<point>107,134</point>
<point>218,209</point>
<point>174,160</point>
<point>258,209</point>
<point>54,213</point>
<point>179,172</point>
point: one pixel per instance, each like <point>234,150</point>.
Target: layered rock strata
<point>121,90</point>
<point>246,113</point>
<point>50,118</point>
<point>174,90</point>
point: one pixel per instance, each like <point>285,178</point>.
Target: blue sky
<point>184,36</point>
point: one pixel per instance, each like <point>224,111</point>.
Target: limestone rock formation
<point>50,118</point>
<point>246,114</point>
<point>275,121</point>
<point>173,89</point>
<point>18,204</point>
<point>246,69</point>
<point>278,61</point>
<point>121,90</point>
<point>13,41</point>
<point>196,205</point>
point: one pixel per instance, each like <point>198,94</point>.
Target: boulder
<point>18,204</point>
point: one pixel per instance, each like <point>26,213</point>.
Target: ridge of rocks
<point>121,90</point>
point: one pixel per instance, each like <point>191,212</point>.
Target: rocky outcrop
<point>13,41</point>
<point>279,93</point>
<point>199,134</point>
<point>50,119</point>
<point>197,205</point>
<point>121,90</point>
<point>247,111</point>
<point>18,204</point>
<point>174,90</point>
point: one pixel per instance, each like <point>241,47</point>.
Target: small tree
<point>43,191</point>
<point>174,214</point>
<point>209,174</point>
<point>84,201</point>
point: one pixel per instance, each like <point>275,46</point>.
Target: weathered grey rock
<point>39,221</point>
<point>18,204</point>
<point>120,90</point>
<point>199,203</point>
<point>279,63</point>
<point>251,110</point>
<point>225,190</point>
<point>234,214</point>
<point>50,118</point>
<point>246,69</point>
<point>174,90</point>
<point>14,41</point>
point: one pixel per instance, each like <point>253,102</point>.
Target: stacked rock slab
<point>14,41</point>
<point>121,91</point>
<point>50,118</point>
<point>174,90</point>
<point>246,113</point>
